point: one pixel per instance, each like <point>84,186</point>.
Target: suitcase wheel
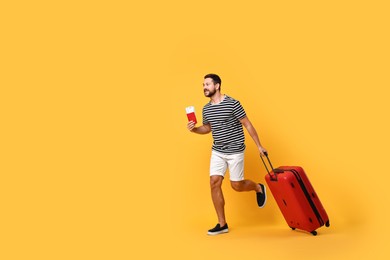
<point>327,224</point>
<point>293,228</point>
<point>314,233</point>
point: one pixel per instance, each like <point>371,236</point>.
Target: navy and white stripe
<point>226,128</point>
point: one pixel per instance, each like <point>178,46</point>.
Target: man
<point>224,117</point>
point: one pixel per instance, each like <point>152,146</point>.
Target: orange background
<point>96,160</point>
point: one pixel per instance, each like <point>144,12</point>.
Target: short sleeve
<point>205,121</point>
<point>238,110</point>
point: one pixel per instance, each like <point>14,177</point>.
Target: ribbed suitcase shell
<point>296,198</point>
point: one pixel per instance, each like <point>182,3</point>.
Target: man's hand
<point>262,150</point>
<point>191,126</point>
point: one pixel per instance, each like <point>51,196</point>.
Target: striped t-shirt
<point>226,128</point>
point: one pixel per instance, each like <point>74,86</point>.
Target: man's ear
<point>217,85</point>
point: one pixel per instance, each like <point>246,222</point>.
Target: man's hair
<point>216,79</point>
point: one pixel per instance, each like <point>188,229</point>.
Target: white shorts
<point>219,163</point>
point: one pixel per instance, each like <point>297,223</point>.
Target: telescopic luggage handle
<point>275,171</point>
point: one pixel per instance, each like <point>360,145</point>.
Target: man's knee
<point>236,185</point>
<point>215,181</point>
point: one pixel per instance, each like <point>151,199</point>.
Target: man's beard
<point>210,93</point>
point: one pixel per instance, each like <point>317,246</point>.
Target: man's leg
<point>238,183</point>
<point>218,168</point>
<point>217,197</point>
<point>246,185</point>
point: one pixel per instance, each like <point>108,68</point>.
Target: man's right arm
<point>204,129</point>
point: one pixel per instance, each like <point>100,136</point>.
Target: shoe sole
<point>265,196</point>
<point>217,232</point>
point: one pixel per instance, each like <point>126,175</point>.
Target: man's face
<point>209,87</point>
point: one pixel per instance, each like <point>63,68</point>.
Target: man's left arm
<point>253,133</point>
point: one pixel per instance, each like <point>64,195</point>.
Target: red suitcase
<point>296,198</point>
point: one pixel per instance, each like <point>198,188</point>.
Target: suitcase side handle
<point>275,171</point>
